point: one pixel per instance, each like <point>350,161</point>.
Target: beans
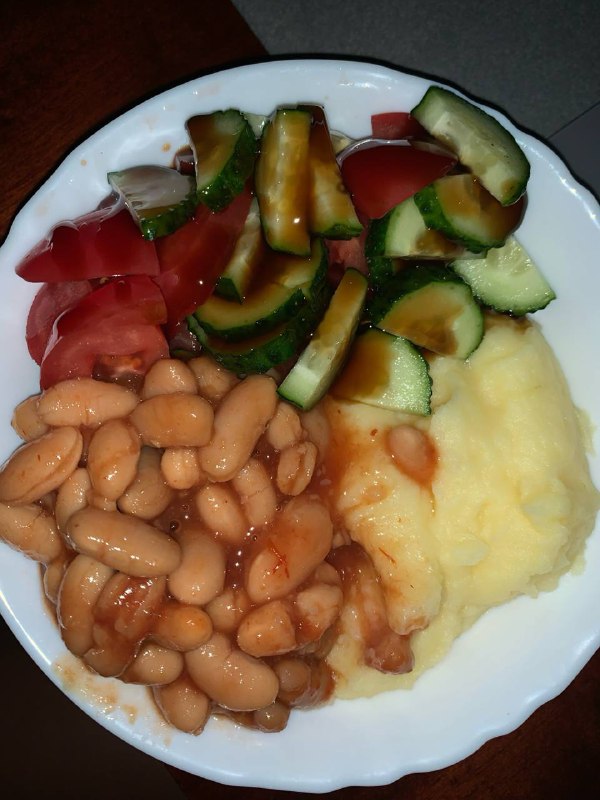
<point>200,576</point>
<point>40,466</point>
<point>26,420</point>
<point>123,615</point>
<point>32,530</point>
<point>154,666</point>
<point>290,552</point>
<point>85,401</point>
<point>256,493</point>
<point>123,542</point>
<point>174,420</point>
<point>181,627</point>
<point>295,468</point>
<point>318,607</point>
<point>72,497</point>
<point>383,648</point>
<point>166,376</point>
<point>413,452</point>
<point>303,684</point>
<point>148,495</point>
<point>271,719</point>
<point>221,512</point>
<point>213,380</point>
<point>240,421</point>
<point>82,584</point>
<point>227,610</point>
<point>230,677</point>
<point>316,425</point>
<point>267,630</point>
<point>54,574</point>
<point>180,467</point>
<point>183,704</point>
<point>285,428</point>
<point>112,458</point>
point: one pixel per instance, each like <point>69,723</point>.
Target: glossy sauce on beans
<point>267,606</point>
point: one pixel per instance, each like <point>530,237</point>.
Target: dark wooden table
<point>67,67</point>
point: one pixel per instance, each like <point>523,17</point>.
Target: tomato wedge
<point>119,320</point>
<point>192,258</point>
<point>379,178</point>
<point>101,244</point>
<point>52,300</point>
<point>396,125</point>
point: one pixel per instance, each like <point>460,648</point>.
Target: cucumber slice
<point>331,212</point>
<point>160,199</point>
<point>262,353</point>
<point>260,312</point>
<point>481,143</point>
<point>506,280</point>
<point>224,149</point>
<point>385,371</point>
<point>313,373</point>
<point>431,307</point>
<point>404,234</point>
<point>281,179</point>
<point>284,284</point>
<point>460,208</point>
<point>248,253</point>
<point>381,267</point>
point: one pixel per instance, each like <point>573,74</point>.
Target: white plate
<point>517,656</point>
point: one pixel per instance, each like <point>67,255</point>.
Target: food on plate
<point>295,430</point>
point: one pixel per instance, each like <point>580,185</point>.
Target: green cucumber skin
<point>231,180</point>
<point>227,289</point>
<point>285,343</point>
<point>304,393</point>
<point>239,333</point>
<point>381,267</point>
<point>418,399</point>
<point>417,277</point>
<point>434,216</point>
<point>406,282</point>
<point>518,158</point>
<point>169,218</point>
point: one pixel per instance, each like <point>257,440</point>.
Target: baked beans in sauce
<point>218,575</point>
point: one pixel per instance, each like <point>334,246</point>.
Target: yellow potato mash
<point>506,513</point>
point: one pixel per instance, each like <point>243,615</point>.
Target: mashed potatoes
<point>507,512</point>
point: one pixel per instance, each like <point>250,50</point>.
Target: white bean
<point>174,420</point>
<point>40,466</point>
<point>148,495</point>
<point>26,420</point>
<point>240,421</point>
<point>200,576</point>
<point>166,376</point>
<point>85,401</point>
<point>257,495</point>
<point>124,543</point>
<point>32,530</point>
<point>112,459</point>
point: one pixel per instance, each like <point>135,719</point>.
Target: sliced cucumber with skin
<point>386,371</point>
<point>260,312</point>
<point>284,285</point>
<point>460,208</point>
<point>431,307</point>
<point>331,212</point>
<point>262,353</point>
<point>506,279</point>
<point>381,267</point>
<point>481,143</point>
<point>246,258</point>
<point>225,150</point>
<point>404,234</point>
<point>318,364</point>
<point>281,180</point>
<point>160,199</point>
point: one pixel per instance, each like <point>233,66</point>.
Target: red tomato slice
<point>379,178</point>
<point>119,320</point>
<point>396,125</point>
<point>344,253</point>
<point>101,244</point>
<point>192,258</point>
<point>52,300</point>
